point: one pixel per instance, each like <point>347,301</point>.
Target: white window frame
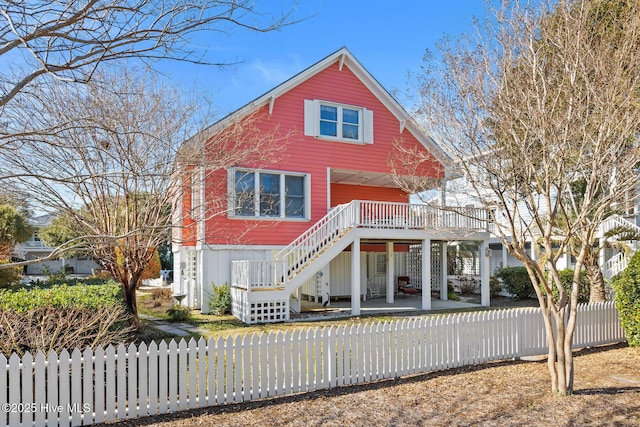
<point>381,264</point>
<point>312,122</point>
<point>196,195</point>
<point>231,179</point>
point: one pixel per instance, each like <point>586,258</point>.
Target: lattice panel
<point>414,265</point>
<point>270,311</point>
<point>436,265</point>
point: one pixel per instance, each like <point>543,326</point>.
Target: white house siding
<point>214,267</point>
<point>340,274</point>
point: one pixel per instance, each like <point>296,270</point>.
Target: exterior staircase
<point>261,289</point>
<point>619,262</point>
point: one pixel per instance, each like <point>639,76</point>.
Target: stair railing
<point>319,237</point>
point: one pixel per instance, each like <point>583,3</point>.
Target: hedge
<point>626,289</point>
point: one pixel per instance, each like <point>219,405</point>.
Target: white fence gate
<point>87,387</point>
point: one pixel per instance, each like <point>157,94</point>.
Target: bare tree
<point>110,168</point>
<point>537,99</point>
<point>69,39</point>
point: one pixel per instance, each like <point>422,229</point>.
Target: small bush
<point>495,287</point>
<point>221,301</point>
<point>160,296</point>
<point>10,276</point>
<point>57,280</point>
<point>516,281</point>
<point>451,295</point>
<point>566,277</point>
<point>626,289</point>
<point>467,285</point>
<point>179,313</point>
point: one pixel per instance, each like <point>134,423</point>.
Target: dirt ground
<point>510,393</point>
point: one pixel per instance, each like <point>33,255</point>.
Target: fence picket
<point>143,379</point>
<point>220,364</point>
<point>153,378</point>
<point>124,383</point>
<point>76,388</point>
<point>132,382</point>
<point>202,373</point>
<point>238,356</point>
<point>40,396</point>
<point>163,377</point>
<point>172,366</point>
<point>27,387</point>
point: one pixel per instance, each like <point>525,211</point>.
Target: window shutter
<point>368,126</point>
<point>309,118</point>
<point>231,192</point>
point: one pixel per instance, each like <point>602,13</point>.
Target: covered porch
<point>404,304</point>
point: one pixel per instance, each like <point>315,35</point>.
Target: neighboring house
<point>35,248</point>
<point>613,258</point>
<point>326,219</point>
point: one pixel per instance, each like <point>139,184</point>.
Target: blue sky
<point>388,38</point>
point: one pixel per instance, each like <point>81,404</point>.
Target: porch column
<point>390,273</point>
<point>485,295</point>
<point>355,277</point>
<point>444,291</point>
<point>426,274</point>
<point>504,256</point>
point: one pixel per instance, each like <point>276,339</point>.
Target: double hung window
<point>269,194</point>
<point>338,122</point>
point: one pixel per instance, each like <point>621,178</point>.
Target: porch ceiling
<point>351,177</point>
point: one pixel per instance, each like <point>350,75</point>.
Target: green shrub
<point>516,281</point>
<point>495,287</point>
<point>179,313</point>
<point>221,301</point>
<point>57,280</point>
<point>62,296</point>
<point>626,289</point>
<point>451,294</point>
<point>53,317</point>
<point>566,277</point>
<point>10,276</point>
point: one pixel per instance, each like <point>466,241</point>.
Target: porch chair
<point>373,290</point>
<point>405,286</point>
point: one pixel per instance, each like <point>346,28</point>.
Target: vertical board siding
<point>84,388</point>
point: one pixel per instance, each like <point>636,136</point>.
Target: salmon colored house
<point>325,218</point>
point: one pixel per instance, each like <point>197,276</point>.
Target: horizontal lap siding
<point>314,156</point>
<point>341,193</point>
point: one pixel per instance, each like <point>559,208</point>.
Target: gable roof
<point>344,58</point>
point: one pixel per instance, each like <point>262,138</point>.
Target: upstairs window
<point>331,121</point>
<point>268,194</point>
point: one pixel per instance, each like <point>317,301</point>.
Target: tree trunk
<point>596,280</point>
<point>130,300</point>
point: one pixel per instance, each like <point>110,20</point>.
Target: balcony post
<point>390,273</point>
<point>444,286</point>
<point>426,274</point>
<point>355,277</point>
<point>485,257</point>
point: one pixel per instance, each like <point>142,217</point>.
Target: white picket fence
<point>88,387</point>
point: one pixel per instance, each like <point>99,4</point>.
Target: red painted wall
<point>343,193</point>
<point>314,156</point>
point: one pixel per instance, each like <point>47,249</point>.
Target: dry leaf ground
<point>510,393</point>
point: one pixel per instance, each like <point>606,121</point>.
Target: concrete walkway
<point>177,329</point>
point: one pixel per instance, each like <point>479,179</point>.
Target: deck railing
<point>322,234</point>
<point>376,215</point>
<point>253,275</point>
